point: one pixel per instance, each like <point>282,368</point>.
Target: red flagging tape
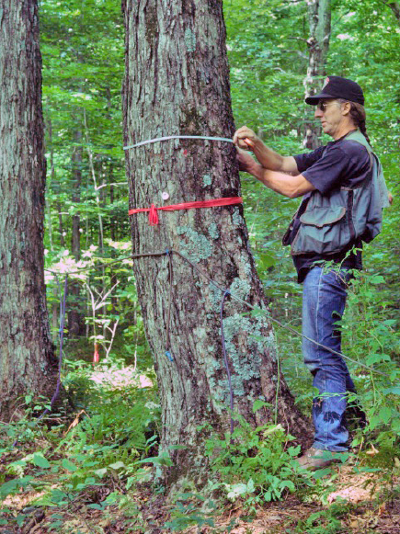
<point>153,217</point>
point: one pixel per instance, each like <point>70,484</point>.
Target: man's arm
<point>289,186</point>
<point>246,139</point>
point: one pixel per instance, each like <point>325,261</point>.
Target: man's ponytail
<point>363,130</point>
<point>357,113</point>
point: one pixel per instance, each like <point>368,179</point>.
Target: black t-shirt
<point>341,163</point>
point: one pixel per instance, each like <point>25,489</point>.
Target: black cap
<point>337,87</point>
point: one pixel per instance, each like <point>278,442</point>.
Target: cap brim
<point>313,100</point>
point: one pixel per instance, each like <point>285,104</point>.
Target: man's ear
<point>346,106</point>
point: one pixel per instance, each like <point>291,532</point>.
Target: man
<point>326,236</point>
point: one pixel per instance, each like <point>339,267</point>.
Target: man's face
<point>330,114</point>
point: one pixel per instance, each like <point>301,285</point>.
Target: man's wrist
<point>258,144</point>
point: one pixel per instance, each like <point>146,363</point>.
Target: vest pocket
<point>321,217</point>
<point>323,230</point>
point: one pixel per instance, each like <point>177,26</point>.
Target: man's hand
<point>246,162</point>
<point>245,138</point>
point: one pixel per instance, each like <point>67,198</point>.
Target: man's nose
<point>318,113</point>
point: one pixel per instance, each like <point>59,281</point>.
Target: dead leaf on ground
<point>75,421</point>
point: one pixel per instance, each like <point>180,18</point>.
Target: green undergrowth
<point>90,458</point>
<point>105,456</point>
<point>371,346</point>
<point>100,461</point>
<point>326,521</point>
<point>372,339</point>
<point>256,465</point>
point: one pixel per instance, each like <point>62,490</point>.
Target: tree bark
<point>26,354</point>
<point>177,82</point>
<point>319,18</point>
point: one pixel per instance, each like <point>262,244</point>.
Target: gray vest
<point>333,222</point>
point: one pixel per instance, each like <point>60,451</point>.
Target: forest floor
<point>354,508</point>
<point>83,491</point>
<point>361,503</point>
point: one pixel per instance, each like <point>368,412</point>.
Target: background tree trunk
<point>76,323</point>
<point>177,82</point>
<point>395,7</point>
<point>26,352</point>
<point>319,18</point>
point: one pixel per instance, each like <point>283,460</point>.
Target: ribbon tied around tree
<point>217,202</point>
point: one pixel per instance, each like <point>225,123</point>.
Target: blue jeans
<point>324,299</point>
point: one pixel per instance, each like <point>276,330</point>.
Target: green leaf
<point>287,484</point>
<point>40,461</point>
<point>56,524</point>
<point>385,414</point>
<point>258,404</point>
<point>393,391</point>
<point>162,459</point>
<point>8,487</point>
<point>236,490</point>
<point>321,473</point>
<point>69,466</point>
<point>378,279</point>
<point>12,485</point>
<point>294,451</point>
<point>20,519</point>
<point>377,358</point>
<point>117,465</point>
<point>266,261</point>
<point>58,497</point>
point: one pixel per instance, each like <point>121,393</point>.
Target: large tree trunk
<point>26,354</point>
<point>177,82</point>
<point>319,19</point>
